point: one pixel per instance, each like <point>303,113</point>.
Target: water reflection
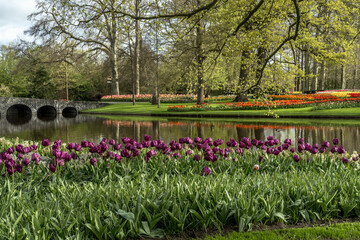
<point>94,129</point>
<point>18,114</point>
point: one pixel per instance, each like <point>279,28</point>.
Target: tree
<point>94,25</point>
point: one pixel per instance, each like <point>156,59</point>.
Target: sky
<point>13,19</point>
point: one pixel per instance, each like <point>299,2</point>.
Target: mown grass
<point>147,109</point>
<point>335,231</point>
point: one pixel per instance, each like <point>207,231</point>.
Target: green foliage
<point>113,200</point>
<point>5,91</point>
<point>41,85</point>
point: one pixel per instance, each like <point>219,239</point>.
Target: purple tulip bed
<point>129,189</point>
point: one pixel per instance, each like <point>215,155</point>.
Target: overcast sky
<point>13,19</point>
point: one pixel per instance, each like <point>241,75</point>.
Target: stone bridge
<point>28,107</point>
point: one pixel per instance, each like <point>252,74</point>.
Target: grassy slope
<point>337,231</point>
<point>147,108</point>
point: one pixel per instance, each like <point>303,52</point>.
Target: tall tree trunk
<point>113,57</point>
<point>314,85</point>
<point>261,55</point>
<point>343,76</point>
<point>156,95</point>
<point>241,95</point>
<point>322,77</point>
<point>297,78</point>
<point>355,74</point>
<point>335,78</point>
<point>307,68</point>
<point>302,82</point>
<point>114,70</point>
<point>137,47</point>
<point>199,61</point>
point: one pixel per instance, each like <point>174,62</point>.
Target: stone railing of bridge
<point>34,105</point>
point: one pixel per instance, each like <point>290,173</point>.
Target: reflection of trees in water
<point>169,131</point>
<point>93,129</point>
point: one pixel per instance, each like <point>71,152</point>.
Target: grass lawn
<point>149,109</point>
<point>336,231</point>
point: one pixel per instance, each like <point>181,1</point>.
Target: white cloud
<point>13,19</point>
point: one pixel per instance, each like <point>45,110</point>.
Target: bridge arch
<point>18,114</point>
<point>69,112</point>
<point>47,113</point>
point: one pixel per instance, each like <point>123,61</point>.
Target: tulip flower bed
<point>127,189</point>
<point>279,102</point>
<point>164,98</point>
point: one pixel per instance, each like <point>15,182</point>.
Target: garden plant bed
<point>129,189</point>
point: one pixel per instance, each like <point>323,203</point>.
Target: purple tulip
<point>117,146</point>
<point>125,153</point>
<point>334,149</point>
<point>270,138</point>
<point>301,141</point>
<point>20,149</point>
<point>60,162</point>
<point>10,150</point>
<point>10,171</point>
<point>232,143</point>
<point>285,146</point>
<point>314,150</point>
<point>25,162</point>
<point>261,159</point>
<point>209,157</point>
<point>117,157</point>
<point>77,147</point>
<point>254,142</point>
<point>52,168</point>
<point>111,142</point>
<point>189,152</point>
<point>276,152</point>
<point>135,153</point>
<point>147,138</point>
<point>218,142</point>
<point>9,163</point>
<point>45,142</point>
<point>335,141</point>
<point>296,158</point>
<point>35,157</point>
<point>206,171</point>
<point>325,144</point>
<point>85,144</point>
<point>93,161</point>
<point>18,168</point>
<point>125,140</point>
<point>197,157</point>
<point>345,160</point>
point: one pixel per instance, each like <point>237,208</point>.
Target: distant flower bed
<point>284,101</point>
<point>164,98</point>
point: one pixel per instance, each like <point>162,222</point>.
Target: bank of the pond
<point>348,230</point>
<point>147,109</point>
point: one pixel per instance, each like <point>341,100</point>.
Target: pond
<point>94,128</point>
